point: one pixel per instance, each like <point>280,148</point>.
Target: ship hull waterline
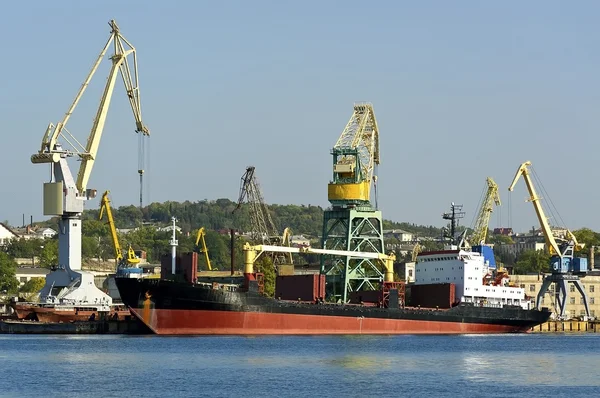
<point>208,322</point>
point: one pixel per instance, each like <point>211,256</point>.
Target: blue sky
<point>461,91</point>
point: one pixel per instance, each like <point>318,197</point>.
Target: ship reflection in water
<point>295,366</point>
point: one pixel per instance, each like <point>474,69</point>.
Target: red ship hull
<point>210,322</point>
<point>52,315</point>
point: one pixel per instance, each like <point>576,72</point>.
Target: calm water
<point>439,366</point>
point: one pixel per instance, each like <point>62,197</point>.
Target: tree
<point>24,248</point>
<point>33,285</point>
<point>532,261</point>
<point>8,272</point>
<point>265,265</point>
<point>587,237</point>
<point>49,254</point>
<point>500,239</point>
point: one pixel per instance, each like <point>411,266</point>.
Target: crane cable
<point>476,212</point>
<point>551,208</point>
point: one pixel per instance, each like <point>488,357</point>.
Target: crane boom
<point>120,260</point>
<point>539,211</point>
<point>263,226</point>
<point>51,152</point>
<point>251,253</point>
<point>105,206</point>
<point>491,198</point>
<point>203,249</point>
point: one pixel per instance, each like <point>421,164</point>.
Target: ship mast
<point>173,244</point>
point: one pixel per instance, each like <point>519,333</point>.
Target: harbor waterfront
<point>288,366</point>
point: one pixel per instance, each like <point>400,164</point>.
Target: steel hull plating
<point>173,308</point>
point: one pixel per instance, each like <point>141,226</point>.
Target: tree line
<point>218,216</point>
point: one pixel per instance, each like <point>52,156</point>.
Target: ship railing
<point>490,305</point>
<point>218,286</point>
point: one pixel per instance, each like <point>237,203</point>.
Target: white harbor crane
<point>64,195</point>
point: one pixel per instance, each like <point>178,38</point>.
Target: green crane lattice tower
<point>352,230</point>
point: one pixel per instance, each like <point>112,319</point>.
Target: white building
<point>46,233</point>
<point>466,270</point>
<point>6,234</point>
<point>299,241</point>
<point>168,228</point>
<point>24,274</point>
<point>518,248</point>
<point>406,271</point>
<point>401,235</point>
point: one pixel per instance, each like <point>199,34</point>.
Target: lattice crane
<point>355,155</point>
<point>491,198</point>
<point>65,196</point>
<point>353,223</point>
<point>263,227</point>
<point>565,266</point>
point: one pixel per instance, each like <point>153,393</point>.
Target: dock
<point>567,326</point>
<point>130,326</point>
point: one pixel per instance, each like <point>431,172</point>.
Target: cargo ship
<point>457,291</point>
<point>179,308</point>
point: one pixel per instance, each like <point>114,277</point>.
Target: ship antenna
<point>174,244</point>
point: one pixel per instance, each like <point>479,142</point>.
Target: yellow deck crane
<point>201,246</point>
<point>491,198</point>
<point>63,195</point>
<point>565,266</point>
<point>417,248</point>
<point>121,261</point>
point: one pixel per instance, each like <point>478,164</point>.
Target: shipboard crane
<point>63,195</point>
<point>120,260</point>
<point>355,156</point>
<point>491,198</point>
<point>263,227</point>
<point>201,246</point>
<point>565,267</point>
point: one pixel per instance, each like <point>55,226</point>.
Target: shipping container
<point>300,287</point>
<point>186,266</point>
<point>285,269</point>
<point>366,296</point>
<point>436,295</point>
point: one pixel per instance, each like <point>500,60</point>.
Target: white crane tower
<point>63,195</point>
